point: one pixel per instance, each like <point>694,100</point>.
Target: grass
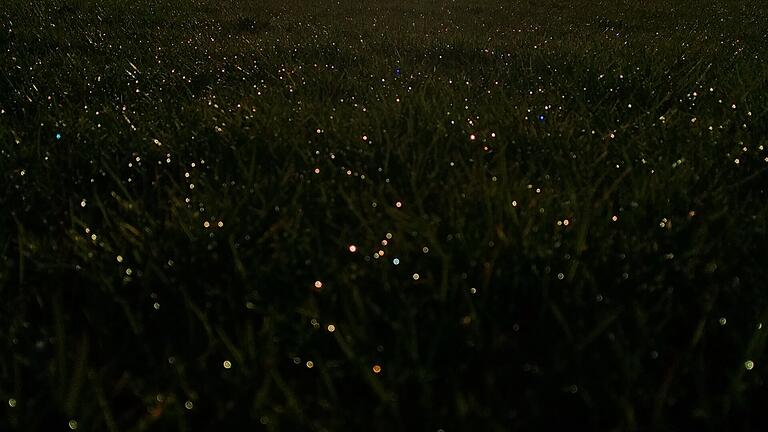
<point>581,234</point>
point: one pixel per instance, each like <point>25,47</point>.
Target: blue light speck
<point>58,136</point>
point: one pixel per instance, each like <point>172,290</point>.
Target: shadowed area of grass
<point>338,215</point>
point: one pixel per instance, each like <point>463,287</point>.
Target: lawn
<point>383,215</point>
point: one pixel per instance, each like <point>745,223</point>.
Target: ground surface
<point>558,212</point>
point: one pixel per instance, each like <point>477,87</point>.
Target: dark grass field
<point>383,215</point>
